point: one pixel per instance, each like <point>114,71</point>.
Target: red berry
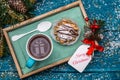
<point>86,19</point>
<point>96,26</point>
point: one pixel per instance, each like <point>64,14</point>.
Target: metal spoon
<point>42,27</point>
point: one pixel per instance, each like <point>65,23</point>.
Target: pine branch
<point>9,16</point>
<point>29,3</point>
<point>92,32</point>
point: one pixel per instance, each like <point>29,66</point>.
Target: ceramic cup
<point>39,47</point>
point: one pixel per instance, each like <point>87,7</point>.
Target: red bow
<point>93,46</point>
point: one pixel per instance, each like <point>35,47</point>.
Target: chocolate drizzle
<point>68,30</point>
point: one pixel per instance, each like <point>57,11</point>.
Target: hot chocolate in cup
<point>39,47</point>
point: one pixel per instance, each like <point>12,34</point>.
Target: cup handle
<point>30,62</point>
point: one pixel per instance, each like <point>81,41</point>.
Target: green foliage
<point>29,3</point>
<point>94,35</point>
<point>9,16</point>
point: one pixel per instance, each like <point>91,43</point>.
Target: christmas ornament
<point>92,31</point>
<point>83,55</point>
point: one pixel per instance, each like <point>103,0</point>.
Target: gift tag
<point>80,59</point>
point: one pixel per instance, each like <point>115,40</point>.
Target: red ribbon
<point>93,46</point>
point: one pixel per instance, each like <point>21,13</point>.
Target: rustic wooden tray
<point>17,48</point>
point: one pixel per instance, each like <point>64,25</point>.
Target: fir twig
<point>8,15</point>
<point>94,35</point>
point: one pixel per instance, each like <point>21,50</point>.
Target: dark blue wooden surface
<point>104,66</point>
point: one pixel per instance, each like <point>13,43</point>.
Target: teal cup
<point>39,47</point>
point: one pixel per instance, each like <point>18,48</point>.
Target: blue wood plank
<point>63,76</point>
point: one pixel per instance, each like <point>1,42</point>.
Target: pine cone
<point>18,5</point>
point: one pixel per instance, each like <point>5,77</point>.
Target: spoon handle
<point>16,37</point>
